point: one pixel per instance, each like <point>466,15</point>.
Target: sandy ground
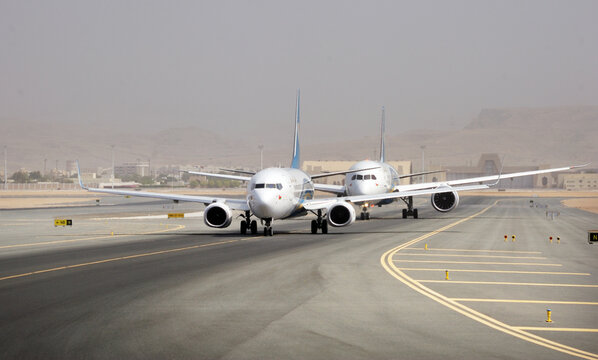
<point>590,205</point>
<point>39,199</point>
<point>57,198</point>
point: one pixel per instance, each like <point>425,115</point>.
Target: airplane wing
<point>317,176</point>
<point>222,176</point>
<point>482,178</point>
<point>335,189</point>
<point>316,204</point>
<point>235,204</point>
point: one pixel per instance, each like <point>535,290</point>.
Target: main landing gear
<point>247,224</point>
<point>320,223</point>
<point>365,215</point>
<point>410,211</point>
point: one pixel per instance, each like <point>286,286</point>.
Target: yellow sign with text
<point>176,215</point>
<point>63,222</point>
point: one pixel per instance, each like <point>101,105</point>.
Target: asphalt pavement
<point>115,287</point>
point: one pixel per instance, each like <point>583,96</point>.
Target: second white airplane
<point>379,178</point>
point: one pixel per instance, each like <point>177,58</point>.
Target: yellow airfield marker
<point>548,313</point>
<point>447,275</point>
<point>513,238</point>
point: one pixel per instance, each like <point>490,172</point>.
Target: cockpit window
<point>259,186</point>
<point>359,177</point>
<point>279,186</point>
<point>353,177</point>
<point>373,177</point>
<point>271,186</point>
<point>366,177</point>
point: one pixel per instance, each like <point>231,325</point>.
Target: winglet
<point>79,175</point>
<point>296,163</point>
<point>382,130</point>
<point>502,165</point>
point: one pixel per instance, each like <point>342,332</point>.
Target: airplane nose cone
<point>359,188</point>
<point>263,203</point>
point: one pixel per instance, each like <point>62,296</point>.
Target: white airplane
<point>378,178</point>
<point>280,193</point>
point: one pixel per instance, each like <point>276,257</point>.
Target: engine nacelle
<point>445,201</point>
<point>341,214</point>
<point>217,215</point>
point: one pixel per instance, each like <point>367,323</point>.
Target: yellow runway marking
<point>122,258</point>
<point>498,271</point>
<point>178,227</point>
<point>388,264</point>
<point>474,262</point>
<point>477,256</point>
<point>504,283</point>
<point>551,302</point>
<point>470,250</point>
<point>531,328</point>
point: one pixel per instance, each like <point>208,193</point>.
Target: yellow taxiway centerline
<point>476,256</point>
<point>551,302</point>
<point>473,262</point>
<point>471,250</point>
<point>504,283</point>
<point>388,264</point>
<point>178,227</point>
<point>121,258</point>
<point>532,328</point>
<point>497,271</point>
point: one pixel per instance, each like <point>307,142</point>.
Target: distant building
<point>140,168</point>
<point>318,167</point>
<point>71,167</point>
<point>490,164</point>
<point>579,182</point>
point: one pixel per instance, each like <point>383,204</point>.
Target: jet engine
<point>341,214</point>
<point>217,215</point>
<point>445,201</point>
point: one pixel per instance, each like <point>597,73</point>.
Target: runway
<point>153,288</point>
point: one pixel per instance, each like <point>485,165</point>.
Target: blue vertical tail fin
<point>382,130</point>
<point>296,163</point>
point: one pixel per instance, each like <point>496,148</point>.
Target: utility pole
<point>261,147</point>
<point>5,170</point>
<point>45,161</point>
<point>423,147</point>
<point>112,146</point>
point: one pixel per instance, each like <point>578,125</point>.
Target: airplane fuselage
<point>371,182</point>
<point>276,193</point>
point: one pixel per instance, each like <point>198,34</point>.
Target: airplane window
<point>259,186</point>
<point>359,177</point>
<point>271,186</point>
<point>366,177</point>
<point>373,177</point>
<point>353,177</point>
<point>279,186</point>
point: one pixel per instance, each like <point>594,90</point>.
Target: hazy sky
<point>234,66</point>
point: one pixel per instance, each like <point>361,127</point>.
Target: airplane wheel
<point>415,213</point>
<point>270,233</point>
<point>243,227</point>
<point>362,216</point>
<point>265,231</point>
<point>324,227</point>
<point>314,227</point>
<point>367,216</point>
<point>404,213</point>
<point>254,227</point>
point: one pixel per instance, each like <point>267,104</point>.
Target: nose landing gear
<point>268,227</point>
<point>365,214</point>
